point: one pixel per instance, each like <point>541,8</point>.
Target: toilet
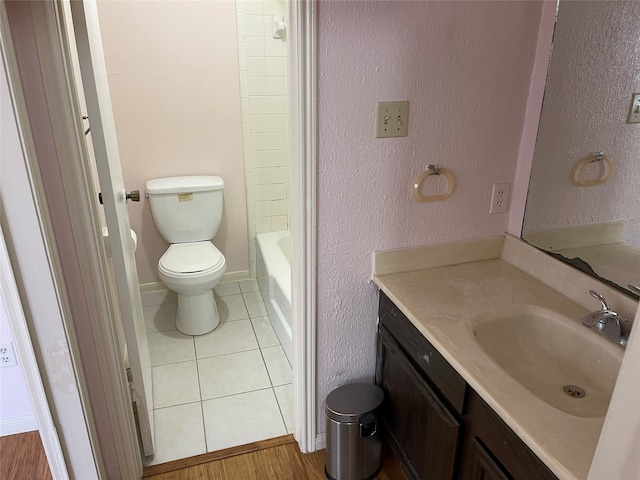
<point>187,211</point>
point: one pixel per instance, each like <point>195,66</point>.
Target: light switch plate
<point>634,110</point>
<point>392,119</point>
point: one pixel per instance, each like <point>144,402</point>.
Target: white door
<point>114,196</point>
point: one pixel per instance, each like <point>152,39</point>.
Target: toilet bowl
<point>192,270</point>
<point>187,212</point>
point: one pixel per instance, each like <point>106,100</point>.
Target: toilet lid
<point>191,257</point>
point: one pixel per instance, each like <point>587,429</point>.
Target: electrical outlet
<point>7,355</point>
<point>500,198</point>
<point>634,110</point>
<point>392,119</point>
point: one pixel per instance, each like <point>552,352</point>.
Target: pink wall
<point>585,110</point>
<point>174,81</point>
<point>466,69</point>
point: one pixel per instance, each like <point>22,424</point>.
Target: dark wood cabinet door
<point>425,433</point>
<point>482,466</point>
<point>493,451</point>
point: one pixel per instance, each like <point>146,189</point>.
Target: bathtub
<point>273,252</point>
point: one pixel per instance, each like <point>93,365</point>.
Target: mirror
<point>584,207</point>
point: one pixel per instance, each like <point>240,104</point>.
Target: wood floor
<point>22,457</point>
<point>282,462</point>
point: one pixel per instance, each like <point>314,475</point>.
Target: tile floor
<point>229,387</point>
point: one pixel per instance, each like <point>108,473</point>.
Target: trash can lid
<point>349,402</point>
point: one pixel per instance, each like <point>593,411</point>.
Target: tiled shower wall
<point>263,91</point>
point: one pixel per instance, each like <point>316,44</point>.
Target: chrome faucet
<point>606,321</point>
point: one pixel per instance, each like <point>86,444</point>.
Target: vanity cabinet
<point>423,429</point>
<point>424,398</point>
<point>436,425</point>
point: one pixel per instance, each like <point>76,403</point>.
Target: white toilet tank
<point>186,209</point>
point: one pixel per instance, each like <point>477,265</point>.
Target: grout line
<point>236,394</point>
<point>173,363</point>
<point>230,353</point>
<point>262,354</point>
<point>280,408</point>
<point>176,405</point>
<point>204,422</point>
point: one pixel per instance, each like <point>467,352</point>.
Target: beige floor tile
<point>226,288</point>
<point>170,347</point>
<point>284,395</point>
<point>231,374</point>
<point>158,297</point>
<point>264,332</point>
<point>279,369</point>
<point>255,305</point>
<point>231,308</point>
<point>175,384</point>
<point>240,419</point>
<point>228,337</point>
<point>247,286</point>
<point>160,318</point>
<point>179,433</point>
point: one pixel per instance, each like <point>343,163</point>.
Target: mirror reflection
<point>583,203</point>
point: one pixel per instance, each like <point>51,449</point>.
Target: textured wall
<point>595,67</point>
<point>174,81</point>
<point>465,67</point>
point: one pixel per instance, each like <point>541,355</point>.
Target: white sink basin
<point>546,352</point>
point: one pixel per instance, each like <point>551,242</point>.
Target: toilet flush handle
<point>134,196</point>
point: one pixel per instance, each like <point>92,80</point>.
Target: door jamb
<point>112,431</point>
<point>302,76</point>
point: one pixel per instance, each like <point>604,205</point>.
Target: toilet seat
<point>191,259</point>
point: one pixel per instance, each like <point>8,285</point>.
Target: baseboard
<point>321,441</point>
<point>227,277</point>
<point>13,426</point>
<point>152,287</point>
<point>236,276</point>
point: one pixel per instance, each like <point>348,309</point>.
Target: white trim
<point>236,276</point>
<point>321,441</point>
<point>302,87</point>
<point>15,425</point>
<point>42,419</point>
<point>29,241</point>
<point>111,383</point>
<point>153,287</point>
<point>114,423</point>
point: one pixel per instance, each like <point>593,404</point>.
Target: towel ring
<point>433,170</point>
<point>599,157</point>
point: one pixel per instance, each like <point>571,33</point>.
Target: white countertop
<point>440,303</point>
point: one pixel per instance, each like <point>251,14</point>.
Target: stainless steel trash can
<point>354,444</point>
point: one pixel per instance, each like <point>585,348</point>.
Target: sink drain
<point>573,391</point>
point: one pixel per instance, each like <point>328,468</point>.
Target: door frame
<point>302,74</point>
<point>77,259</point>
<point>112,426</point>
<point>29,366</point>
<point>12,301</point>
